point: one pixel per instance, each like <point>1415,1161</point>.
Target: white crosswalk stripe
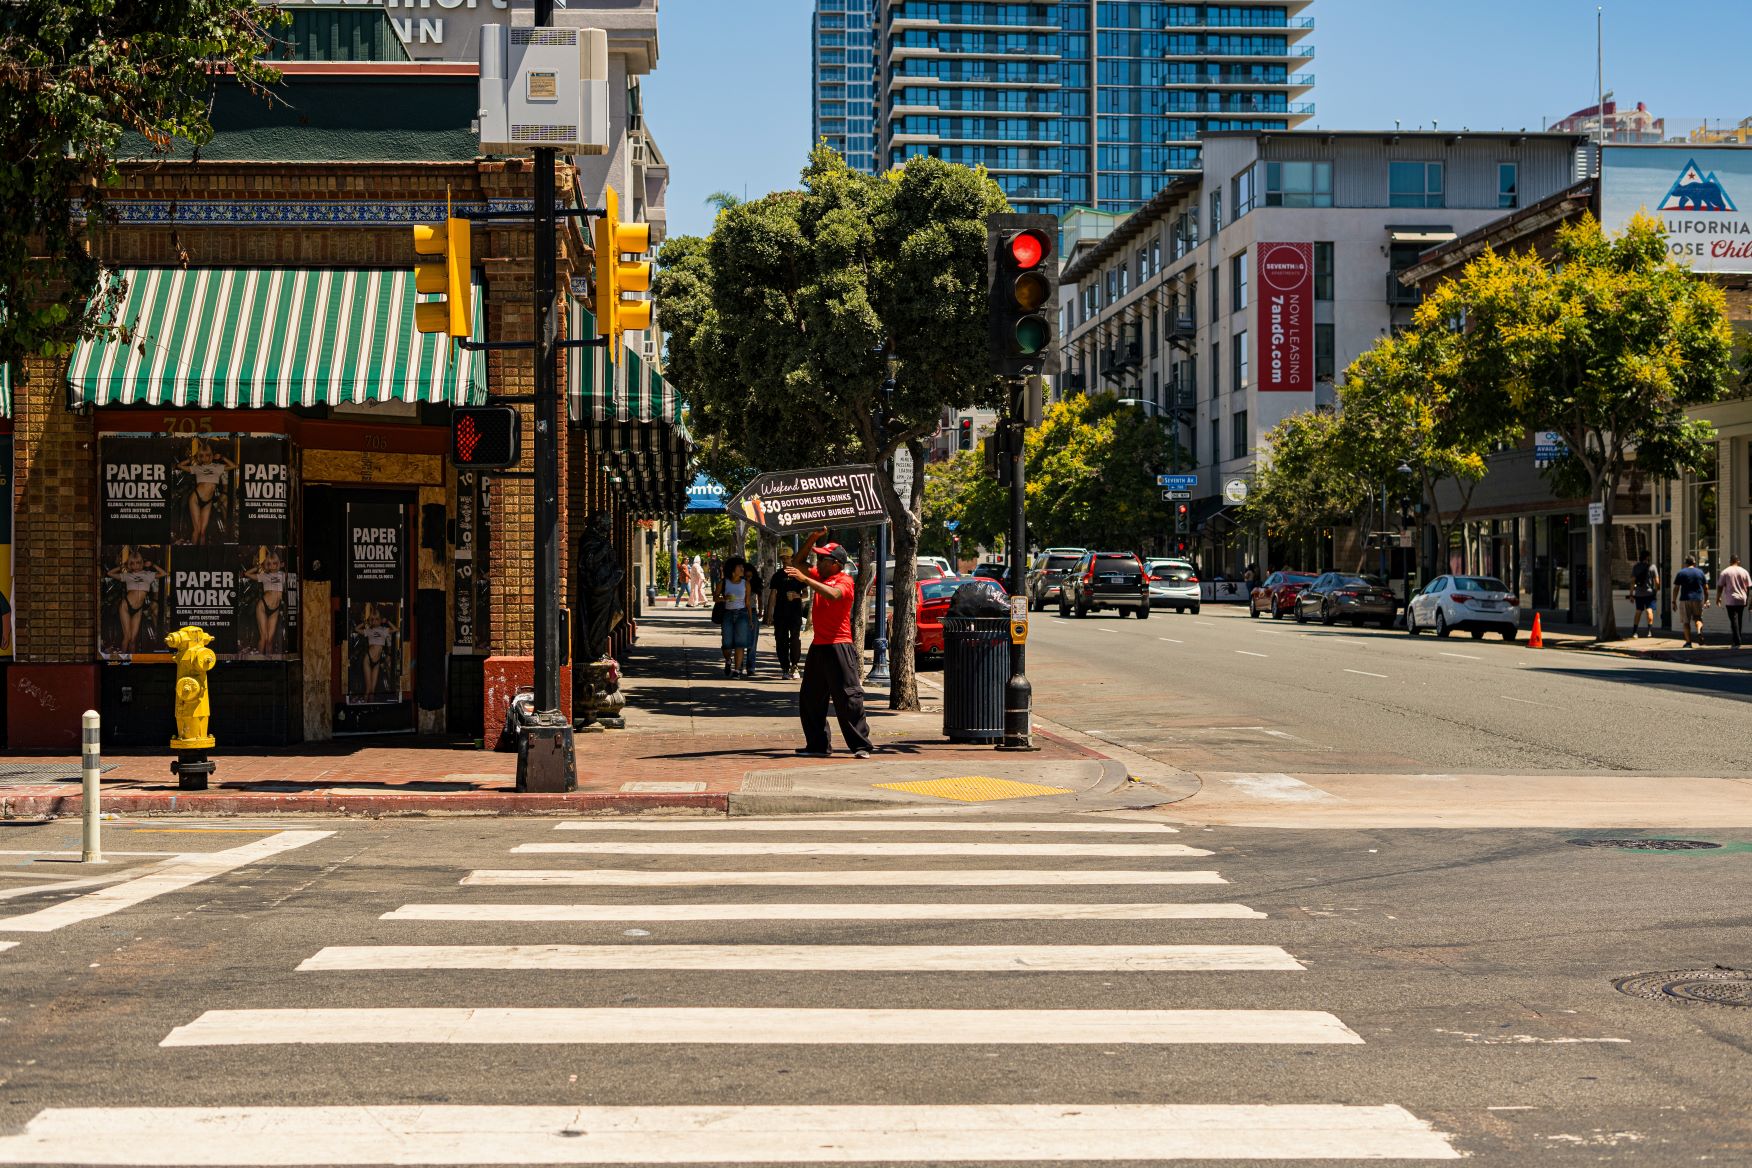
<point>718,933</point>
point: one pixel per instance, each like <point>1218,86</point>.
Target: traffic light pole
<point>1018,692</point>
<point>545,760</point>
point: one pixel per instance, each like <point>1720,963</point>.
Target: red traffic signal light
<point>486,437</point>
<point>1028,248</point>
<point>1181,509</point>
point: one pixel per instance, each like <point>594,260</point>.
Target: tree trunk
<point>903,693</point>
<point>866,581</point>
<point>1604,490</point>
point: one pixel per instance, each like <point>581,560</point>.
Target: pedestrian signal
<point>485,437</point>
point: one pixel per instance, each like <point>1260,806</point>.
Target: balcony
<point>1400,295</point>
<point>1181,330</point>
<point>1183,395</point>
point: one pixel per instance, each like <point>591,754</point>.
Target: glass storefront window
<point>1702,516</point>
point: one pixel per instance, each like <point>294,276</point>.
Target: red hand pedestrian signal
<point>485,437</point>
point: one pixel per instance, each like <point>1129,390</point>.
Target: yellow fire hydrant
<point>192,742</point>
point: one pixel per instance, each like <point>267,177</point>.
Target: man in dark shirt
<point>1690,594</point>
<point>1645,586</point>
<point>785,614</point>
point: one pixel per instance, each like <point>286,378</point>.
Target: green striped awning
<point>635,422</point>
<point>271,338</point>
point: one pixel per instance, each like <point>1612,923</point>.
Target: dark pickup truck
<point>1106,580</point>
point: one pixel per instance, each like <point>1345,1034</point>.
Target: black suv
<point>1106,580</point>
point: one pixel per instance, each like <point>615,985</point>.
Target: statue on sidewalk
<point>596,697</point>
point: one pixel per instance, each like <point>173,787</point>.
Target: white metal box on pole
<point>543,88</point>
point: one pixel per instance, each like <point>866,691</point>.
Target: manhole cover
<point>1646,845</point>
<point>1714,987</point>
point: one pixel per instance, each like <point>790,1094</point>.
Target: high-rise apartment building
<point>1085,102</point>
<point>843,79</point>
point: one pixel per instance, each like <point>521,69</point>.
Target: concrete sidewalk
<point>696,741</point>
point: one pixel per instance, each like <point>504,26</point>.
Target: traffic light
<point>1022,292</point>
<point>615,276</point>
<point>995,447</point>
<point>441,269</point>
<point>1182,519</point>
<point>967,433</point>
<point>1182,546</point>
<point>485,437</point>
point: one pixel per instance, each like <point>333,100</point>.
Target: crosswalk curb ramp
<point>851,881</point>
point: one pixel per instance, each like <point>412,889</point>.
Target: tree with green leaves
<point>1304,483</point>
<point>786,322</point>
<point>958,490</point>
<point>1608,343</point>
<point>1091,469</point>
<point>75,80</point>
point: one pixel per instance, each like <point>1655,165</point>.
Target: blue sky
<point>729,102</point>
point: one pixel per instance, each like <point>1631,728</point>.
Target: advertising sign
<point>1703,195</point>
<point>785,502</point>
<point>705,497</point>
<point>8,630</point>
<point>376,588</point>
<point>1286,317</point>
<point>469,619</point>
<point>196,529</point>
<point>448,30</point>
<point>1548,448</point>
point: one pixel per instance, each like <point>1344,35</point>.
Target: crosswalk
<point>910,923</point>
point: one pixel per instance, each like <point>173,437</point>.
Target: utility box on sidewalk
<point>976,667</point>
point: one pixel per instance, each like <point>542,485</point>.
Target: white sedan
<point>1476,604</point>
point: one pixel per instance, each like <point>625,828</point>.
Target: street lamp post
<point>879,664</point>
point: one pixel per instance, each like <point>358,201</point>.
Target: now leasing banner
<point>784,502</point>
<point>1286,317</point>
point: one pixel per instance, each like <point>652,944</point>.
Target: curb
<point>44,803</point>
<point>1719,658</point>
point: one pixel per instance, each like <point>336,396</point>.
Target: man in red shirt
<point>832,670</point>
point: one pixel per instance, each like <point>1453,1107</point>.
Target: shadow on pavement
<point>1716,683</point>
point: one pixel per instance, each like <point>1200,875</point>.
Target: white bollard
<point>91,769</point>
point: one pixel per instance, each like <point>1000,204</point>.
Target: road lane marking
<point>992,826</point>
<point>1366,673</point>
<point>1466,656</point>
<point>167,876</point>
<point>1148,911</point>
<point>616,1026</point>
<point>857,849</point>
<point>14,944</point>
<point>874,878</point>
<point>1279,788</point>
<point>1245,653</point>
<point>1171,640</point>
<point>1526,702</point>
<point>431,1134</point>
<point>814,958</point>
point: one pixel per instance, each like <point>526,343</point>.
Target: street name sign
<point>1177,482</point>
<point>790,501</point>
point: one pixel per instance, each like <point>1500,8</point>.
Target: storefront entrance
<point>372,668</point>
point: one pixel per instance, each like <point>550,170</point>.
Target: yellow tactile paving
<point>973,789</point>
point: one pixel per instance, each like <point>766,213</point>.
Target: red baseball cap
<point>837,551</point>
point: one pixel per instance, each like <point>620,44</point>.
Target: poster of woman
<point>133,601</point>
<point>374,653</point>
<point>202,489</point>
<point>264,602</point>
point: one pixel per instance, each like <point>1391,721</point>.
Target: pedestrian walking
<point>1732,587</point>
<point>738,626</point>
<point>784,608</point>
<point>832,671</point>
<point>756,611</point>
<point>1645,587</point>
<point>1690,594</point>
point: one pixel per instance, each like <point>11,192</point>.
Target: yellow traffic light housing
<point>615,276</point>
<point>442,270</point>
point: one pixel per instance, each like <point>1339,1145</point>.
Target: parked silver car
<point>1046,576</point>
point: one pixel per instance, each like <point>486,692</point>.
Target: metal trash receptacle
<point>976,667</point>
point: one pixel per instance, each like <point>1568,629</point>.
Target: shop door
<point>1581,610</point>
<point>373,671</point>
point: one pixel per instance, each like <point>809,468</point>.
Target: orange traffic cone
<point>1537,640</point>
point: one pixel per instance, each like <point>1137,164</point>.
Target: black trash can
<point>976,667</point>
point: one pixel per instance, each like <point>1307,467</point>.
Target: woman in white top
<point>696,584</point>
<point>269,571</point>
<point>738,620</point>
<point>139,578</point>
<point>208,468</point>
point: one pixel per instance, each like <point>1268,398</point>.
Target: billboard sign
<point>1286,317</point>
<point>1703,196</point>
<point>785,502</point>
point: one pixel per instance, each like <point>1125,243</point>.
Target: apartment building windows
<point>1216,436</point>
<point>1414,184</point>
<point>1155,256</point>
<point>1325,353</point>
<point>1238,434</point>
<point>1241,188</point>
<point>1216,213</point>
<point>1238,282</point>
<point>1216,369</point>
<point>1508,185</point>
<point>1323,271</point>
<point>1238,359</point>
<point>1298,184</point>
<point>1216,292</point>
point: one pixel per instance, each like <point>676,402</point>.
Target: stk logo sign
<point>1695,191</point>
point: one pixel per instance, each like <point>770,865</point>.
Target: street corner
<point>976,782</point>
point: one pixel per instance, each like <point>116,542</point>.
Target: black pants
<point>788,644</point>
<point>831,673</point>
<point>1736,617</point>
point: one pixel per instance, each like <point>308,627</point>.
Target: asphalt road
<point>1456,984</point>
<point>1220,691</point>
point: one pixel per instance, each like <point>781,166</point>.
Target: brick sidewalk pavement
<point>692,736</point>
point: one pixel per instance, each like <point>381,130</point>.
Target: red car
<point>1277,594</point>
<point>933,605</point>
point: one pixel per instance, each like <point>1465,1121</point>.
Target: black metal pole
<point>1018,693</point>
<point>879,664</point>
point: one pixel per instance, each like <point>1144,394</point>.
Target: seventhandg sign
<point>789,501</point>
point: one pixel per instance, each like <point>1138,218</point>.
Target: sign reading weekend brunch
<point>784,502</point>
<point>196,529</point>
